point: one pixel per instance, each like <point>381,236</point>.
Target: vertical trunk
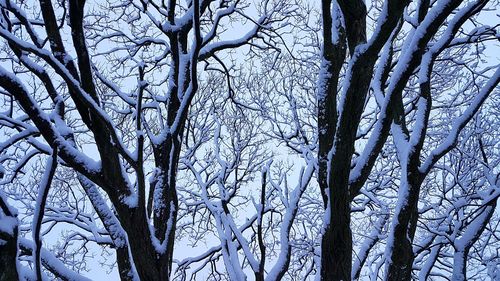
<point>8,240</point>
<point>8,253</point>
<point>338,143</point>
<point>335,262</point>
<point>337,241</point>
<point>151,262</point>
<point>141,247</point>
<point>165,204</point>
<point>336,244</point>
<point>404,223</point>
<point>124,264</point>
<point>459,266</point>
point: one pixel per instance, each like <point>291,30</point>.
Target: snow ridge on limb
<point>337,265</point>
<point>41,200</point>
<point>459,123</point>
<point>114,228</point>
<point>51,263</point>
<point>399,258</point>
<point>81,162</point>
<point>279,269</point>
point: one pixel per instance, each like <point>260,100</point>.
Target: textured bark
<point>150,263</point>
<point>336,250</point>
<point>402,256</point>
<point>337,134</point>
<point>333,58</point>
<point>8,245</point>
<point>334,263</point>
<point>143,253</point>
<point>8,256</point>
<point>165,218</point>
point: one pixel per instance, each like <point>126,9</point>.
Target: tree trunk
<point>336,250</point>
<point>141,247</point>
<point>404,226</point>
<point>8,253</point>
<point>459,266</point>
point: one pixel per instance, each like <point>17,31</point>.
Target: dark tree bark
<point>404,224</point>
<point>337,134</point>
<point>149,262</point>
<point>332,60</point>
<point>8,256</point>
<point>8,244</point>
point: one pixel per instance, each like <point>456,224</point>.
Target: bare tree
<point>276,140</point>
<point>158,44</point>
<point>429,28</point>
<point>8,241</point>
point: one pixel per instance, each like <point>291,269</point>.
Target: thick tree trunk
<point>343,21</point>
<point>402,256</point>
<point>336,249</point>
<point>152,251</point>
<point>141,247</point>
<point>404,225</point>
<point>336,241</point>
<point>151,263</point>
<point>459,266</point>
<point>8,254</point>
<point>165,213</point>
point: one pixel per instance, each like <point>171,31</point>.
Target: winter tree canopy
<point>249,140</point>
